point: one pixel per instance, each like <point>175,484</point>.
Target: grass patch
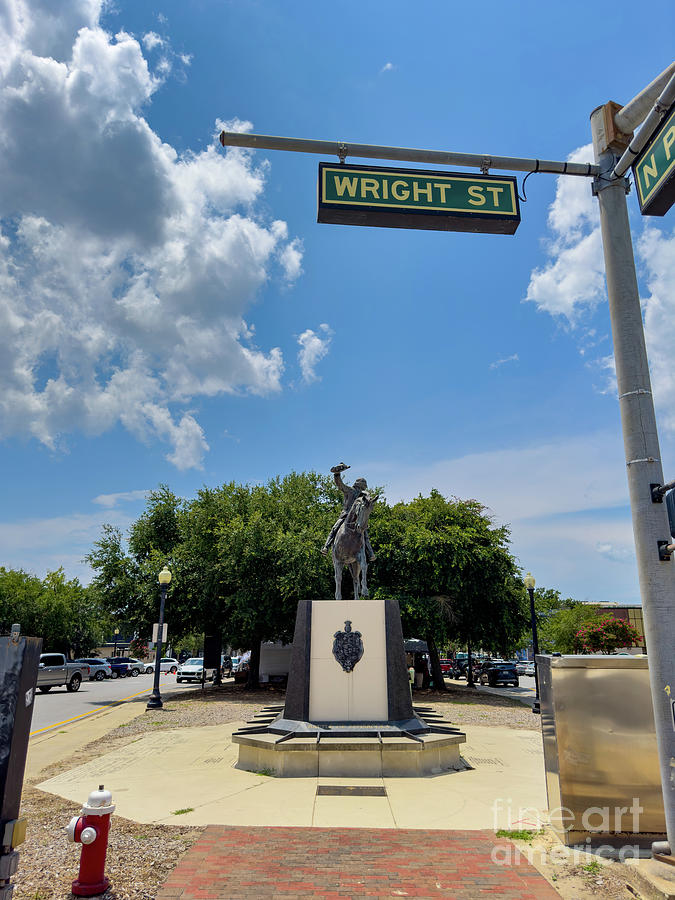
<point>593,868</point>
<point>519,834</point>
<point>142,837</point>
<point>268,773</point>
<point>181,812</point>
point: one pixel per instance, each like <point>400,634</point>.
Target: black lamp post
<point>529,584</point>
<point>117,631</point>
<point>155,700</point>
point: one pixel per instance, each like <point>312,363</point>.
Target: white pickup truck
<point>54,670</point>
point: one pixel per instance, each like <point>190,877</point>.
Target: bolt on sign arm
<point>405,154</point>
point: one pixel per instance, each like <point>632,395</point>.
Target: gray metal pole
<point>405,154</point>
<point>643,459</point>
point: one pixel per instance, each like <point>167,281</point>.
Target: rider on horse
<point>350,494</point>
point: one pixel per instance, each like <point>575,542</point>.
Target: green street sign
<point>654,169</point>
<point>412,198</point>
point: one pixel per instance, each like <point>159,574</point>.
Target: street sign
<point>654,169</point>
<point>413,198</point>
<point>155,632</point>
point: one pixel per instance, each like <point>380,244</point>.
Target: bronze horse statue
<point>348,547</point>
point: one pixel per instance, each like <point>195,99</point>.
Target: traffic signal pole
<point>656,571</point>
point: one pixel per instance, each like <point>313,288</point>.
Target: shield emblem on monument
<point>347,647</point>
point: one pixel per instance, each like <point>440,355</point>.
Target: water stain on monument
<point>347,647</point>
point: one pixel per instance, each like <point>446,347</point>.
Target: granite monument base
<point>348,709</point>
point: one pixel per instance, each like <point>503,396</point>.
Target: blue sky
<point>171,313</point>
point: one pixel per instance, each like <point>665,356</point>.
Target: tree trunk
<point>253,682</point>
<point>437,674</point>
<point>469,668</point>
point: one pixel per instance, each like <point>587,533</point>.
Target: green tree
<point>562,626</point>
<point>452,572</point>
<point>126,579</point>
<point>241,557</point>
<point>267,557</point>
<point>20,601</point>
<point>64,613</point>
<point>548,602</point>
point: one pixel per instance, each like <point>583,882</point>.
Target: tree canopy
<point>451,570</point>
<point>242,556</point>
<point>66,615</point>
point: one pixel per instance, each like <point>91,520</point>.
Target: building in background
<point>632,614</point>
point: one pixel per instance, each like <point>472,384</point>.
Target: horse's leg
<point>355,569</point>
<point>363,559</point>
<point>337,565</point>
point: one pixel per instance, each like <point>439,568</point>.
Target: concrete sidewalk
<point>193,770</point>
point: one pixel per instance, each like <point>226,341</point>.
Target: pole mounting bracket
<point>659,491</point>
<point>485,165</point>
<point>665,550</point>
<point>602,182</point>
<point>342,152</point>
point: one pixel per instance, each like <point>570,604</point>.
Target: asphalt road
<point>60,706</point>
<point>524,692</point>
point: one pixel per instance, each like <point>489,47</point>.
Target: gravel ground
<point>463,705</point>
<point>141,856</point>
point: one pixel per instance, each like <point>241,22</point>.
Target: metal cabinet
<point>602,768</point>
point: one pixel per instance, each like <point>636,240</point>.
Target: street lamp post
<point>116,632</point>
<point>529,584</point>
<point>155,700</point>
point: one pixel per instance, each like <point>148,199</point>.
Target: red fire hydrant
<point>91,830</point>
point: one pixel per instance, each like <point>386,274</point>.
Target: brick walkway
<point>338,863</point>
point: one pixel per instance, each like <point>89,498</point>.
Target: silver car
<point>98,668</point>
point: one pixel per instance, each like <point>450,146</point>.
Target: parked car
<point>98,668</point>
<point>193,670</point>
<point>451,667</point>
<point>529,669</point>
<point>135,665</point>
<point>521,666</point>
<point>496,673</point>
<point>55,670</point>
<point>120,667</point>
<point>166,664</point>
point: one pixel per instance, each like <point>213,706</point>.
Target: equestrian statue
<point>349,536</point>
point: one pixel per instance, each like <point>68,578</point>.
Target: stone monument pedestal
<point>348,709</point>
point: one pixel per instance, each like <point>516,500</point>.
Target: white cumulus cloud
<point>111,500</point>
<point>125,268</point>
<point>573,277</point>
<point>313,348</point>
<point>573,281</point>
<point>152,40</point>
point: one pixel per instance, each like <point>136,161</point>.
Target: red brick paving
<point>237,863</point>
